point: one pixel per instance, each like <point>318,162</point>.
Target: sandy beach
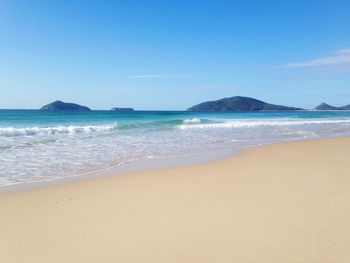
<point>287,202</point>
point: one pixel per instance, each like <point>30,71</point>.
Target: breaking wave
<point>30,131</point>
<point>191,121</point>
<point>256,123</point>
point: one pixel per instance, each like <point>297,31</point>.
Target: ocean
<point>40,146</point>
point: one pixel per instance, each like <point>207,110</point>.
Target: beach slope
<point>287,202</point>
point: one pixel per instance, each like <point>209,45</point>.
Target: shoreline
<point>150,164</point>
<point>133,166</point>
<point>287,202</point>
<point>53,149</point>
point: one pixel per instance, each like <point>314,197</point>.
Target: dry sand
<point>286,202</point>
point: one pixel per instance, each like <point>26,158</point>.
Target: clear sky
<point>173,54</point>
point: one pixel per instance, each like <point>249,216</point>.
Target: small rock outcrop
<point>123,109</point>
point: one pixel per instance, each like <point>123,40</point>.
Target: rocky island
<point>60,105</point>
<point>347,107</point>
<point>327,107</point>
<point>123,109</point>
<point>239,103</point>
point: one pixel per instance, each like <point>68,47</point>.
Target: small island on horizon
<point>326,107</point>
<point>123,109</point>
<point>60,105</point>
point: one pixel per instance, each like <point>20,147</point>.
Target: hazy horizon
<point>154,55</point>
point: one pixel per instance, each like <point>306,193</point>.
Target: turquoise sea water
<point>42,146</point>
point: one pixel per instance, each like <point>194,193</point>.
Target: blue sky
<point>173,54</point>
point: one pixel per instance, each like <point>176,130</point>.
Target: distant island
<point>232,104</point>
<point>327,107</point>
<point>123,109</point>
<point>60,105</point>
<point>239,103</point>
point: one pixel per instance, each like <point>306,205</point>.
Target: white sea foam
<point>256,123</point>
<point>191,121</point>
<point>29,131</point>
